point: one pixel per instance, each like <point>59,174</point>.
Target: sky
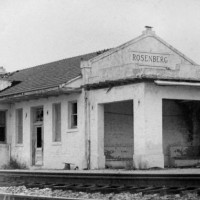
<point>34,32</point>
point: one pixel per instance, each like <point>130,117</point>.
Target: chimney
<point>148,31</point>
<point>2,70</point>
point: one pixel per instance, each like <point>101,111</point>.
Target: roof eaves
<point>70,81</point>
<point>39,94</point>
<point>29,92</point>
<point>115,49</point>
<point>175,50</point>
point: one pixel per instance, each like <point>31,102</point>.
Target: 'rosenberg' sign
<point>151,59</point>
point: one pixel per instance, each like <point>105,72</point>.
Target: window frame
<point>17,126</point>
<point>37,112</point>
<point>70,115</point>
<point>56,138</point>
<point>5,125</point>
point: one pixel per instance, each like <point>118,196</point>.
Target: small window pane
<point>19,126</point>
<point>2,134</point>
<point>20,135</point>
<point>2,118</point>
<point>74,121</point>
<point>39,137</point>
<point>73,117</point>
<point>57,122</point>
<point>39,115</point>
<point>2,126</point>
<point>74,108</point>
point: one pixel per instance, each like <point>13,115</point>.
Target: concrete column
<point>47,132</point>
<point>97,138</point>
<point>100,135</point>
<point>148,148</point>
<point>138,133</point>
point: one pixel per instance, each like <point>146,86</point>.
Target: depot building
<point>136,106</point>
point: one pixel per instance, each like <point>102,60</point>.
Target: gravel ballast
<point>22,190</point>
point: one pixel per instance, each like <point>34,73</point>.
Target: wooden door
<point>37,143</point>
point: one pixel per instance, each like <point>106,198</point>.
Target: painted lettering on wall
<point>154,59</point>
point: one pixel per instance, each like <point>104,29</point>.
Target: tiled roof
<point>46,75</point>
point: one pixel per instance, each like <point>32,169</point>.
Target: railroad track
<point>168,180</point>
<point>25,197</point>
<point>104,182</point>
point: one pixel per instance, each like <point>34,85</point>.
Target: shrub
<point>129,165</point>
<point>14,164</point>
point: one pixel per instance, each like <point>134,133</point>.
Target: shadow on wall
<point>181,132</point>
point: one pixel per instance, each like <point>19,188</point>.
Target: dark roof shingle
<point>46,75</point>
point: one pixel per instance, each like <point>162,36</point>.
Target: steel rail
<point>102,182</point>
<point>176,180</point>
<point>5,196</point>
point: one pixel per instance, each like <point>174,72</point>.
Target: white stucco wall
<point>134,92</point>
<point>147,131</point>
<point>71,149</point>
<point>157,94</point>
<point>119,63</point>
<point>148,127</point>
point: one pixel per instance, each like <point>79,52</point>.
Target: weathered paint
<point>4,154</point>
<point>185,152</point>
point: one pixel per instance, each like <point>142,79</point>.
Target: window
<point>2,126</point>
<point>39,115</point>
<point>57,122</point>
<point>19,122</point>
<point>73,117</point>
<point>39,137</point>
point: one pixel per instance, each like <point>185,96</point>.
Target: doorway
<point>118,134</point>
<point>37,136</point>
<point>181,132</point>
